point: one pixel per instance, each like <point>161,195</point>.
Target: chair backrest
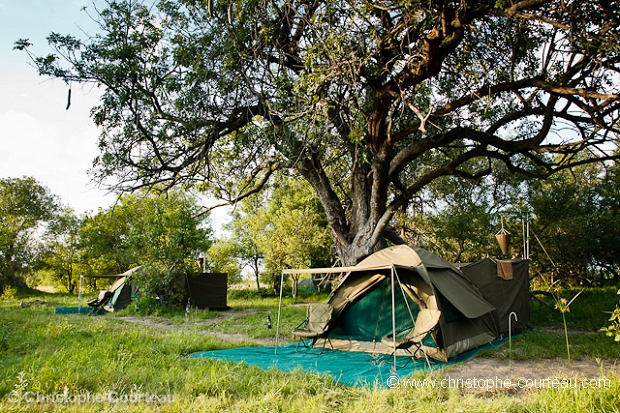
<point>319,315</point>
<point>426,320</point>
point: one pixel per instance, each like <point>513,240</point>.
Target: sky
<point>38,136</point>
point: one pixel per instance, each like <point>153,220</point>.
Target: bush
<point>250,294</point>
<point>9,293</point>
<point>614,329</point>
<point>168,286</point>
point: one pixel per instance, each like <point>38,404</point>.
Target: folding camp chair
<point>315,325</point>
<point>105,296</point>
<point>425,323</point>
<point>101,300</point>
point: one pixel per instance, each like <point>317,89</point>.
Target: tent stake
<point>510,335</point>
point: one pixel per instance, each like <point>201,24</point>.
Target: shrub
<point>614,329</point>
<point>9,293</point>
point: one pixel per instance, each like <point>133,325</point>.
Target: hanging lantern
<point>503,239</point>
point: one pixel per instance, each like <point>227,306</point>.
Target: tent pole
<point>393,317</point>
<point>525,224</point>
<point>275,350</point>
<point>80,294</point>
<point>523,234</point>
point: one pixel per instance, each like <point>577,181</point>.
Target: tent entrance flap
<point>369,318</point>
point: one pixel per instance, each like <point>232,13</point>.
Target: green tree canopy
<point>573,219</point>
<point>368,101</point>
<point>104,246</point>
<point>576,215</point>
<point>165,233</point>
<point>457,219</point>
<point>286,230</point>
<point>61,252</point>
<point>25,205</point>
<point>222,257</point>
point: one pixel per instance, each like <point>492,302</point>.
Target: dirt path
<point>521,376</point>
<point>167,324</point>
<point>490,368</point>
<point>164,324</point>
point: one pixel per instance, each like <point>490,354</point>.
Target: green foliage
<point>368,102</point>
<point>575,214</point>
<point>289,230</point>
<point>165,233</point>
<point>613,330</point>
<point>572,215</point>
<point>25,206</point>
<point>457,219</point>
<point>61,251</point>
<point>104,245</point>
<point>8,293</point>
<point>588,313</point>
<point>223,257</point>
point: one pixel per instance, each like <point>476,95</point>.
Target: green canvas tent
<point>119,294</point>
<point>384,297</point>
<point>504,284</point>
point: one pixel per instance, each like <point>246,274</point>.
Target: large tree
<point>25,207</point>
<point>369,101</point>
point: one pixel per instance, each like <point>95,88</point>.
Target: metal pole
<point>80,294</point>
<point>527,228</point>
<point>275,350</point>
<point>510,335</point>
<point>393,318</point>
<point>523,234</point>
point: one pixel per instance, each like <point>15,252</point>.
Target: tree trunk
<point>353,253</point>
<point>256,273</point>
<point>70,285</point>
<point>295,282</point>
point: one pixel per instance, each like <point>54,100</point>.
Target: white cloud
<point>39,138</point>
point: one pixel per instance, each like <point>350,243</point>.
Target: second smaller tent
<point>506,285</point>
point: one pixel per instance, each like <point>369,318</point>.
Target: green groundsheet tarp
<point>346,367</point>
<point>77,310</point>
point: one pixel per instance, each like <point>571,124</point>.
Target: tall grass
<point>589,312</point>
<point>77,355</point>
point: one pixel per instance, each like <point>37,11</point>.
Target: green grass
<point>46,354</point>
<point>589,312</point>
<point>537,344</point>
